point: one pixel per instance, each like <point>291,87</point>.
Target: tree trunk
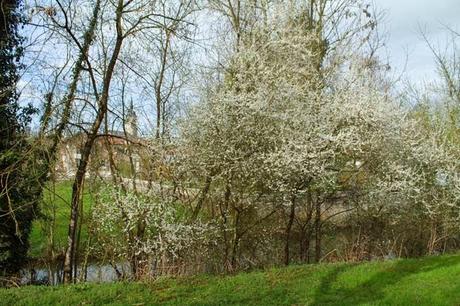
<point>317,231</point>
<point>68,99</point>
<point>87,148</point>
<point>305,245</point>
<point>306,230</point>
<point>223,207</point>
<point>202,197</point>
<point>288,232</point>
<point>236,240</point>
<point>78,240</point>
<point>75,205</point>
<point>159,85</point>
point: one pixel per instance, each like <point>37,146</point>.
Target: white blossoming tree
<point>280,137</point>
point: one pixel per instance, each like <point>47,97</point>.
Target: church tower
<point>131,121</point>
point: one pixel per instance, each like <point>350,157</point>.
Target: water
<point>52,274</point>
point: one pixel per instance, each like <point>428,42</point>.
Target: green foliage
<point>19,192</point>
<point>427,281</point>
<point>10,54</point>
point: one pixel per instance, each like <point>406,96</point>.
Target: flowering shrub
<point>143,228</point>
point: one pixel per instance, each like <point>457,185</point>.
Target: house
<point>123,146</point>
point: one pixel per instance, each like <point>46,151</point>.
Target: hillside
<point>426,281</point>
<point>50,231</point>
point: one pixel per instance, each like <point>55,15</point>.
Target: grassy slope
<point>427,281</point>
<point>56,200</point>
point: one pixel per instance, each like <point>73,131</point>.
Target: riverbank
<point>425,281</point>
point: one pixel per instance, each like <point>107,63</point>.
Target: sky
<point>405,46</point>
<point>408,54</point>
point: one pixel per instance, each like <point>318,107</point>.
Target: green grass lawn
<point>53,225</point>
<point>426,281</point>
